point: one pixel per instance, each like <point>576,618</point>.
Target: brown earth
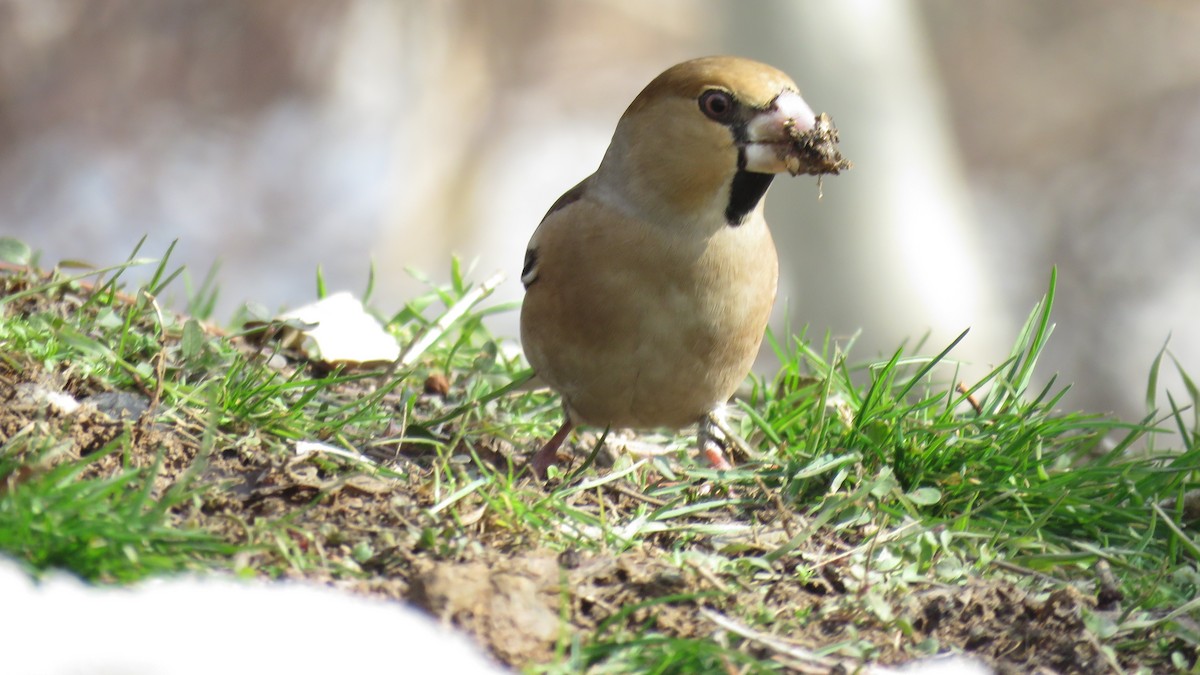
<point>523,602</point>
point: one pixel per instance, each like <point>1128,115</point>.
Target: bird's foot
<point>715,436</point>
<point>715,456</point>
<point>710,447</point>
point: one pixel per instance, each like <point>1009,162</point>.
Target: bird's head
<point>706,137</point>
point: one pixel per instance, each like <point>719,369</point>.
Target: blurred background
<point>992,140</point>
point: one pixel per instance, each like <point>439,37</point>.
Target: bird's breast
<point>642,328</point>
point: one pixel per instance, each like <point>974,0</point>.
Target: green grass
<point>920,479</point>
<point>108,529</point>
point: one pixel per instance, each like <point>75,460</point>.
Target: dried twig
<point>160,362</point>
<point>806,661</point>
<point>962,389</point>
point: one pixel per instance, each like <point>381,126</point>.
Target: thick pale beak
<point>771,133</point>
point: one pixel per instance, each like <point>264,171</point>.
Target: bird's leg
<point>548,455</point>
<point>717,418</point>
<point>708,444</point>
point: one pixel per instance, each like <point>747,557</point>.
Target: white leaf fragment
<point>341,331</point>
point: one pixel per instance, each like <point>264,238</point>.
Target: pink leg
<point>548,455</point>
<point>708,445</point>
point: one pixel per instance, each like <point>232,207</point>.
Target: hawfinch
<point>648,285</point>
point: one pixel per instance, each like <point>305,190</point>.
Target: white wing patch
<point>529,272</point>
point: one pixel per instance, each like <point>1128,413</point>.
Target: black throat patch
<point>745,193</point>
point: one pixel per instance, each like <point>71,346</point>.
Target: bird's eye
<point>717,105</point>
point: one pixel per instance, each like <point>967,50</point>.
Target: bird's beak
<point>788,137</point>
<point>770,132</point>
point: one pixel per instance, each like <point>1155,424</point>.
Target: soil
<point>524,602</point>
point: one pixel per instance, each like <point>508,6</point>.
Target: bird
<point>648,285</point>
